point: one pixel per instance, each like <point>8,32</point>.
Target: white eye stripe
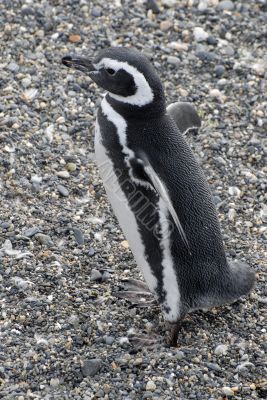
<point>144,94</point>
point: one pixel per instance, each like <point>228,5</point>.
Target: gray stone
<point>173,60</point>
<point>109,340</point>
<point>219,70</point>
<point>63,190</point>
<point>226,5</point>
<point>79,237</point>
<point>44,239</point>
<point>91,367</point>
<point>13,67</point>
<point>95,275</point>
<point>30,232</point>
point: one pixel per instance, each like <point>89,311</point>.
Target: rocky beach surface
<point>63,332</point>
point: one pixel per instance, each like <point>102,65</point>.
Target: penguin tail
<point>242,279</point>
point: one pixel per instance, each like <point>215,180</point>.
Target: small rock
<point>54,382</point>
<point>234,191</point>
<point>200,35</point>
<point>44,239</point>
<point>213,366</point>
<point>63,174</point>
<point>180,355</point>
<point>63,190</point>
<point>74,38</point>
<point>13,67</point>
<point>125,244</point>
<point>231,214</point>
<point>150,386</point>
<point>30,232</point>
<point>228,391</point>
<point>221,349</point>
<point>91,367</point>
<point>165,25</point>
<point>226,5</point>
<point>203,5</point>
<point>95,275</point>
<point>49,133</point>
<point>105,276</point>
<point>178,46</point>
<point>219,70</point>
<point>152,5</point>
<point>29,95</point>
<point>26,82</point>
<point>173,60</point>
<point>91,252</point>
<point>96,12</point>
<point>215,93</point>
<point>71,167</point>
<point>79,237</point>
<point>169,3</point>
<point>110,340</point>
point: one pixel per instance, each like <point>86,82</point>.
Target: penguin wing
<point>162,192</point>
<point>185,116</point>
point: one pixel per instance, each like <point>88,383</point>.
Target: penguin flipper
<point>185,116</point>
<point>161,190</point>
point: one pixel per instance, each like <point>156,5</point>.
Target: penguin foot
<point>137,293</point>
<point>174,329</point>
<point>147,340</point>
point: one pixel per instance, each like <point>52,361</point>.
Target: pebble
<point>63,190</point>
<point>71,167</point>
<point>150,386</point>
<point>231,214</point>
<point>74,38</point>
<point>44,239</point>
<point>63,174</point>
<point>79,237</point>
<point>30,232</point>
<point>221,349</point>
<point>228,391</point>
<point>95,275</point>
<point>109,340</point>
<point>96,12</point>
<point>234,191</point>
<point>13,67</point>
<point>178,46</point>
<point>173,60</point>
<point>169,3</point>
<point>226,5</point>
<point>29,94</point>
<point>200,35</point>
<point>91,367</point>
<point>165,25</point>
<point>152,5</point>
<point>219,70</point>
<point>125,244</point>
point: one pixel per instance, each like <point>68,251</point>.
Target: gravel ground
<point>63,332</point>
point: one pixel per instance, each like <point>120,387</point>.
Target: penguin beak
<point>80,63</point>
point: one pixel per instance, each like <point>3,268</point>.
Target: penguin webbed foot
<point>137,293</point>
<point>174,330</point>
<point>149,341</point>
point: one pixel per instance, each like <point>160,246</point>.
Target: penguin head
<point>125,73</point>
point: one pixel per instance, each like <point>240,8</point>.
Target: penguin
<point>158,191</point>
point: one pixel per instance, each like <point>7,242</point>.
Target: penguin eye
<point>110,71</point>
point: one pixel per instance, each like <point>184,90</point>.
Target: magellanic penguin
<point>158,191</point>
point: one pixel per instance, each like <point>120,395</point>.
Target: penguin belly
<point>122,210</point>
<point>151,250</point>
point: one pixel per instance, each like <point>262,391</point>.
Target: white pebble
<point>49,133</point>
<point>228,391</point>
<point>231,214</point>
<point>200,35</point>
<point>234,191</point>
<point>221,349</point>
<point>150,386</point>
